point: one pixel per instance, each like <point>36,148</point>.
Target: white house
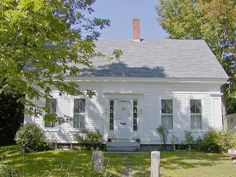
<point>175,83</point>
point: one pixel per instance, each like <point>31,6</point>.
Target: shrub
<point>217,141</point>
<point>30,137</point>
<point>90,139</point>
<point>163,132</point>
<point>226,141</point>
<point>188,137</point>
<point>189,140</point>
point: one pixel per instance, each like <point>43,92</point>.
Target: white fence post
<point>155,163</point>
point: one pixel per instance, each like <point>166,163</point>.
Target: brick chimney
<point>136,30</point>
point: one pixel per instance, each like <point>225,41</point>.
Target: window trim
<point>77,113</point>
<point>195,114</point>
<point>167,114</point>
<point>56,108</point>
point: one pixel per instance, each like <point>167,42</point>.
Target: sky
<point>121,14</point>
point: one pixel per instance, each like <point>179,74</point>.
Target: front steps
<point>123,146</point>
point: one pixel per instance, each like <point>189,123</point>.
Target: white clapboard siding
<point>149,97</point>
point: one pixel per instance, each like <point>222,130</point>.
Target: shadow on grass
<point>137,164</point>
<point>71,163</point>
<point>184,159</point>
<point>50,163</point>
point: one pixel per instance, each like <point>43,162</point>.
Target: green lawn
<point>78,163</point>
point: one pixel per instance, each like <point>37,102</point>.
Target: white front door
<point>123,123</point>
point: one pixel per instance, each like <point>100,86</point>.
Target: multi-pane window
<point>79,113</point>
<point>196,114</point>
<point>167,113</point>
<point>51,105</point>
<point>135,115</point>
<point>111,122</point>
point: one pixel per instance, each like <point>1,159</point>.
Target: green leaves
<point>180,18</point>
<point>213,21</point>
<point>117,53</point>
<point>42,42</point>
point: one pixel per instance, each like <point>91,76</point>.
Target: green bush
<point>90,139</point>
<point>188,137</point>
<point>217,141</point>
<point>30,137</point>
<point>163,133</point>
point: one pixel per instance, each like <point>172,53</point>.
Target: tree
<point>211,20</point>
<point>11,117</point>
<point>42,42</point>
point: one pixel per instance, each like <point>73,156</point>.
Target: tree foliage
<point>11,117</point>
<point>42,42</point>
<point>211,20</point>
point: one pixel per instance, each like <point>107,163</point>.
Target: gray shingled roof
<point>157,58</point>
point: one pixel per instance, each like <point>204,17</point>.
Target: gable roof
<point>157,58</point>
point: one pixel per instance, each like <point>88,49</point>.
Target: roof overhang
<point>149,80</point>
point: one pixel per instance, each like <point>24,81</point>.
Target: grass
<point>60,163</point>
<point>196,164</point>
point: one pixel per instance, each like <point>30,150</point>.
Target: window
<point>135,115</point>
<point>111,123</point>
<point>167,113</point>
<point>51,105</point>
<point>79,113</point>
<point>196,114</point>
